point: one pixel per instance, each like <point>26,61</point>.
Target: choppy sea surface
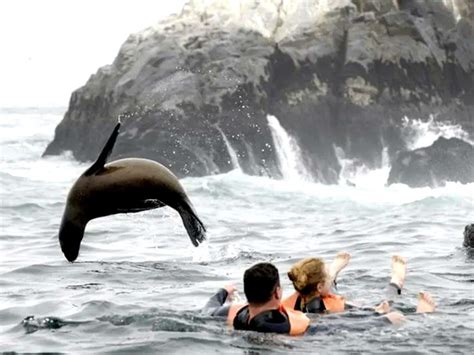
<point>139,285</point>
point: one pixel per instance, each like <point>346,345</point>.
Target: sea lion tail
<point>194,226</point>
<point>104,155</point>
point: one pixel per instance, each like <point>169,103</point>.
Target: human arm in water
<point>216,306</point>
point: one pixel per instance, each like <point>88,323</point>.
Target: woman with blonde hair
<point>313,279</point>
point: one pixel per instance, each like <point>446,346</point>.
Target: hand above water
<point>340,262</point>
<point>231,293</point>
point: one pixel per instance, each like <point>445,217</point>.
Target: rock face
<point>446,160</point>
<point>335,73</point>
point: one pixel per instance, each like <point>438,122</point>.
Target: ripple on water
<point>138,284</point>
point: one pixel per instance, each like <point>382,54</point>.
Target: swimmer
<point>264,311</point>
<point>312,280</point>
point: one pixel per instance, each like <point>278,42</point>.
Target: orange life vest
<point>299,322</point>
<point>233,310</point>
<point>332,303</point>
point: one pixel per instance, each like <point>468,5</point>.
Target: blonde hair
<point>306,274</point>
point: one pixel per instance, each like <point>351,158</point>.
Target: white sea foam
<point>288,152</point>
<point>234,159</point>
<point>422,133</point>
<point>354,173</point>
<point>131,266</point>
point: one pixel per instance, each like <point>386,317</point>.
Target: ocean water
<point>139,285</point>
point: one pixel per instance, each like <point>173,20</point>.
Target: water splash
<point>234,159</point>
<point>452,6</point>
<point>355,173</point>
<point>288,153</point>
<point>420,133</point>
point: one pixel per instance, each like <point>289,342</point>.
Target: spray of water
<point>355,173</point>
<point>234,160</point>
<point>288,153</point>
<point>452,5</point>
<point>420,133</point>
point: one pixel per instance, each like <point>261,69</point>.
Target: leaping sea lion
<point>123,186</point>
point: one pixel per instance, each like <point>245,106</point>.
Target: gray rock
<point>445,160</point>
<point>377,6</point>
<point>341,74</point>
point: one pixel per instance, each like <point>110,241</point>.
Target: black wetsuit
<point>275,321</point>
<point>214,307</point>
<point>316,305</point>
<point>272,321</point>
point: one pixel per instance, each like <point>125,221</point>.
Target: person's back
<point>264,311</point>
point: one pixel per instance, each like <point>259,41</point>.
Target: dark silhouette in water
<point>32,324</point>
<point>123,186</point>
<point>469,236</point>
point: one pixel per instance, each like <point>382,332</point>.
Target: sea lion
<point>123,186</point>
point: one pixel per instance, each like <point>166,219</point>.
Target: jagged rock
<point>445,160</point>
<point>340,73</point>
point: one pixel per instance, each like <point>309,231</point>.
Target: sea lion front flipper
<point>104,155</point>
<point>145,205</point>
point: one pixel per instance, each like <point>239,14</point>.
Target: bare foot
<point>382,308</point>
<point>399,268</point>
<point>425,303</point>
<point>340,262</point>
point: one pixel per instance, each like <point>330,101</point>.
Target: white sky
<point>49,48</point>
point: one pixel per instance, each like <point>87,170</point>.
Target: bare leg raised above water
<point>399,268</point>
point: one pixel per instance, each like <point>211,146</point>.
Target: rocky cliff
<point>335,73</point>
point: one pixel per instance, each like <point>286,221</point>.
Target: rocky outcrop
<point>340,73</point>
<point>446,160</point>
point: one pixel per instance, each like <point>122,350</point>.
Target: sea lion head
<point>70,235</point>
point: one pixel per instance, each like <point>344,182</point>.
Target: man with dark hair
<point>264,311</point>
<point>260,281</point>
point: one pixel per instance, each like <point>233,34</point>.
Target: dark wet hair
<point>260,281</point>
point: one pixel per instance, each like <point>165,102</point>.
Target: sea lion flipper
<point>145,205</point>
<point>104,155</point>
<point>194,226</point>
